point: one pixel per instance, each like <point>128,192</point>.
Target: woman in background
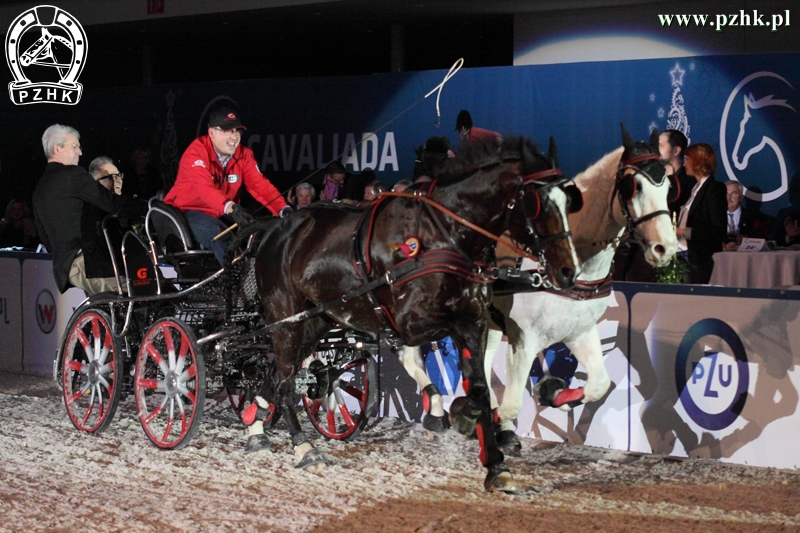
<point>702,222</point>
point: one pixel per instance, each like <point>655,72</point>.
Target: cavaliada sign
<point>46,51</point>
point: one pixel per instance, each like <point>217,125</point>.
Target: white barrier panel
<point>45,314</point>
<point>10,314</point>
<point>718,377</point>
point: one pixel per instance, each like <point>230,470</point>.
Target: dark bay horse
<point>437,285</point>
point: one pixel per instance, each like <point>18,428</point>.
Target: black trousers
<point>698,270</point>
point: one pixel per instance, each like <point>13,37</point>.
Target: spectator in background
<point>17,227</point>
<point>784,231</point>
<point>739,222</point>
<point>402,185</point>
<point>672,149</point>
<point>468,132</point>
<point>702,221</point>
<point>372,191</point>
<point>58,203</point>
<point>143,180</point>
<point>106,174</point>
<point>305,193</point>
<point>333,182</point>
<point>762,223</point>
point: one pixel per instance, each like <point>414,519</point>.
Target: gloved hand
<point>285,212</point>
<point>241,216</point>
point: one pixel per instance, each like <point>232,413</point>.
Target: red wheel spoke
<point>149,418</point>
<point>313,407</point>
<point>167,338</point>
<point>355,393</point>
<point>167,429</point>
<point>76,366</point>
<point>88,410</point>
<point>148,383</point>
<point>347,418</point>
<point>332,421</point>
<point>83,340</point>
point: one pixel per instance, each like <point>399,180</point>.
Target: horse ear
<point>627,142</point>
<point>654,139</point>
<point>552,151</point>
<point>525,154</point>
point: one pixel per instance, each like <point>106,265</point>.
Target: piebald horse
<point>318,254</point>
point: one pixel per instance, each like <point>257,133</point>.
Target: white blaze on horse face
<point>657,236</point>
<point>559,198</point>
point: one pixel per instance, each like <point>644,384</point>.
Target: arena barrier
<point>696,371</point>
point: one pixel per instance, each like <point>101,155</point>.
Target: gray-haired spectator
<point>305,195</point>
<point>106,173</point>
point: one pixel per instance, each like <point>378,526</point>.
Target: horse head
<point>643,190</point>
<point>538,218</point>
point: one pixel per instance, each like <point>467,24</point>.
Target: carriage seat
<point>167,228</point>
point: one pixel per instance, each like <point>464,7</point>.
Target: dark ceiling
<point>289,42</point>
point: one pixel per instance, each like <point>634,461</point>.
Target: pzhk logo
<point>45,311</point>
<point>46,51</point>
<point>716,390</point>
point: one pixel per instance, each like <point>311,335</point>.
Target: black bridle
<point>626,192</point>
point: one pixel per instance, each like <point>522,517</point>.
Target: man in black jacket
<point>58,203</point>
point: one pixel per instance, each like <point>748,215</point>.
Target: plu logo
<point>46,51</point>
<point>713,389</point>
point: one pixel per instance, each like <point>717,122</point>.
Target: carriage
<point>171,342</point>
<point>266,331</point>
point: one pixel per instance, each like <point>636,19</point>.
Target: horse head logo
<point>46,52</point>
<point>752,104</point>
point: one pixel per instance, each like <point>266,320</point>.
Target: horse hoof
<point>436,424</point>
<point>464,415</point>
<point>499,479</point>
<point>548,388</point>
<point>256,443</point>
<point>314,460</point>
<point>568,399</point>
<point>508,443</point>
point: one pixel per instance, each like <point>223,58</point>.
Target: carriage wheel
<point>90,371</point>
<point>242,395</point>
<point>170,384</point>
<point>345,393</point>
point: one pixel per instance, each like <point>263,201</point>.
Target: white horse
<point>627,188</point>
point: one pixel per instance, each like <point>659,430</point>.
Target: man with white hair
<point>740,223</point>
<point>58,202</point>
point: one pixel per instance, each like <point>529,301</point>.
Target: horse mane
<point>472,155</point>
<point>604,169</point>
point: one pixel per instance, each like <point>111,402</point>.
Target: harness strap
<point>586,290</point>
<point>461,220</point>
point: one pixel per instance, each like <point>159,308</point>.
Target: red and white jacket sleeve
<point>195,187</point>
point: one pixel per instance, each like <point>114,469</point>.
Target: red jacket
<point>203,185</point>
<point>480,134</point>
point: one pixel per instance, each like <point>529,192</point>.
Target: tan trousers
<point>77,276</point>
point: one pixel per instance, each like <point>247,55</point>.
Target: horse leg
<point>292,344</point>
<point>519,360</point>
<point>477,406</point>
<point>435,419</point>
<point>588,351</point>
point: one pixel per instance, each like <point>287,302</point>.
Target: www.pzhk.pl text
<point>741,19</point>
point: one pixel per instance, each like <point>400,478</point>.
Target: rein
<point>418,195</point>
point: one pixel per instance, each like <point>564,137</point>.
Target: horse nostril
<point>659,250</point>
<point>567,273</point>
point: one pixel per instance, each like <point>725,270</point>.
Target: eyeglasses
<point>119,175</point>
<point>234,131</point>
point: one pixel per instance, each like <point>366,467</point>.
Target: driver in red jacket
<point>212,172</point>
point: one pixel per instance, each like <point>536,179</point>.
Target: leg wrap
<point>254,412</point>
<point>427,392</point>
<point>298,439</point>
